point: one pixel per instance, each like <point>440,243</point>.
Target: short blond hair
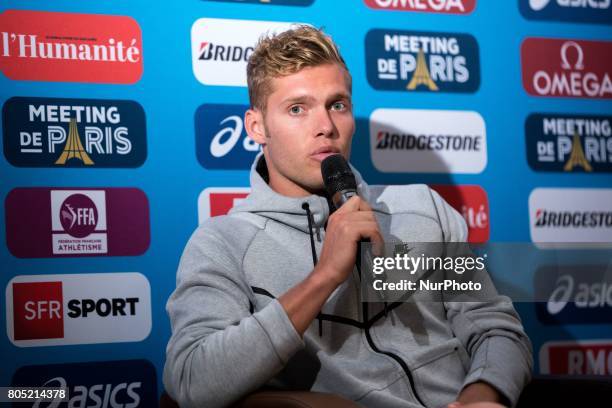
<point>287,53</point>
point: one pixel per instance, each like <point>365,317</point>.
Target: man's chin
<point>313,186</point>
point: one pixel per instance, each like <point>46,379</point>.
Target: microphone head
<point>337,175</point>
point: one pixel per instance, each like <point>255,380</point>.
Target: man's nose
<point>324,124</point>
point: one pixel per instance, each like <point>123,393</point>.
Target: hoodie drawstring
<point>306,207</point>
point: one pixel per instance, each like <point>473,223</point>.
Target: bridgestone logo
<point>387,140</point>
<point>585,219</point>
<point>225,53</point>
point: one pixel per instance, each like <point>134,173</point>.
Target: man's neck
<point>290,189</point>
<point>282,186</point>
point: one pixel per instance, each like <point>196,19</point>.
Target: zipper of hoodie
<point>315,259</point>
<point>395,357</point>
<point>366,323</point>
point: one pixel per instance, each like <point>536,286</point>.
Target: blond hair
<point>287,53</point>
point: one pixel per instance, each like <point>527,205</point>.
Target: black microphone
<point>340,184</point>
<point>338,178</point>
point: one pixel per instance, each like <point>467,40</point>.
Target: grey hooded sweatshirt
<point>230,335</point>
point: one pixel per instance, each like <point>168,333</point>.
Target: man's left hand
<point>475,405</point>
<point>478,395</point>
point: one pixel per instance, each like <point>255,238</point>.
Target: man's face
<point>308,117</point>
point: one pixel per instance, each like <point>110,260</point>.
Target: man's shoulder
<point>405,202</point>
<point>407,198</point>
<point>234,229</point>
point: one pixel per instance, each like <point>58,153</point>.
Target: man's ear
<point>253,122</point>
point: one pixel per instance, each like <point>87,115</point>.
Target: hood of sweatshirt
<point>266,202</point>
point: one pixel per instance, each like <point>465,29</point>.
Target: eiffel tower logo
<point>421,75</point>
<point>577,157</point>
<point>73,147</point>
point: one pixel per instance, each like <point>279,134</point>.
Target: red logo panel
<point>70,47</point>
<point>567,68</point>
<point>38,310</point>
<point>221,203</point>
<point>472,203</point>
<point>429,6</point>
<point>580,359</point>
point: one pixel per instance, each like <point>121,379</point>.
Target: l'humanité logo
<point>472,203</point>
<point>54,132</point>
<point>422,61</point>
<point>70,47</point>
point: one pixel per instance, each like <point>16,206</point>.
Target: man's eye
<point>339,106</point>
<point>296,110</point>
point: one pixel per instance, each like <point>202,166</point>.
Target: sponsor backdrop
<point>122,130</point>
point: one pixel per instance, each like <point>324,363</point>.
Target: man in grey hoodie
<point>269,295</point>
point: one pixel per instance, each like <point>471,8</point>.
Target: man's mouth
<point>323,152</point>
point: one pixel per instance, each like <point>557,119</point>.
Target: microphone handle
<point>339,198</point>
<point>342,196</point>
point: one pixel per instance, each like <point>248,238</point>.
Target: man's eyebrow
<point>340,95</point>
<point>297,98</point>
<point>308,98</point>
